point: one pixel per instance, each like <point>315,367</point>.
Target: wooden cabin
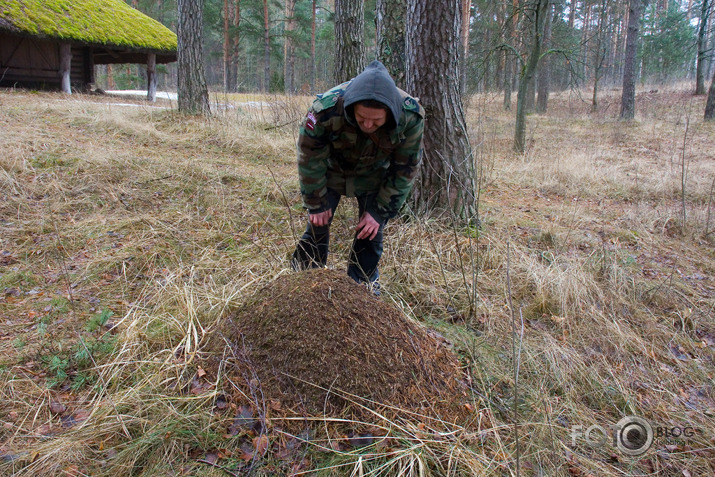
<point>55,44</point>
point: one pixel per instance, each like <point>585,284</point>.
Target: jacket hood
<point>374,83</point>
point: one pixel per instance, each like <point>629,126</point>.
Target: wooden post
<point>151,77</point>
<point>66,66</point>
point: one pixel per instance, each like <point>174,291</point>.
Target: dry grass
<point>128,230</point>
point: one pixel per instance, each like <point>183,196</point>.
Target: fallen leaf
<point>246,452</point>
<point>243,421</point>
<point>261,444</point>
<point>287,449</point>
<point>299,467</point>
<point>200,372</point>
<point>57,407</point>
<point>211,458</point>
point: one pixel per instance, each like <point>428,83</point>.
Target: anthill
<point>313,340</point>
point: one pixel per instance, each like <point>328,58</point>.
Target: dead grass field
<point>127,230</point>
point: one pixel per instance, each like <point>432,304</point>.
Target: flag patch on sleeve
<point>310,121</point>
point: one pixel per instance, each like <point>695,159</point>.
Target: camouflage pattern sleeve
<point>313,153</point>
<point>402,172</point>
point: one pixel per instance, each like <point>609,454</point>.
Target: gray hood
<point>377,84</point>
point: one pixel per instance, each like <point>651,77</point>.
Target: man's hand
<point>367,227</point>
<point>321,219</point>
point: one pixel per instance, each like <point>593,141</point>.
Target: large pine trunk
<point>350,58</point>
<point>192,90</point>
<point>628,96</point>
<point>702,48</point>
<point>446,181</point>
<point>390,24</point>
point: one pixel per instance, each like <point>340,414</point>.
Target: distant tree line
<point>290,45</point>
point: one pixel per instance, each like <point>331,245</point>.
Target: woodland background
<point>288,46</point>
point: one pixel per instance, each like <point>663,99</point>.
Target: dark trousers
<point>312,249</point>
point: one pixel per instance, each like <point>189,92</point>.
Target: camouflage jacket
<point>334,153</point>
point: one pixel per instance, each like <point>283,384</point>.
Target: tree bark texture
<point>266,48</point>
<point>192,90</point>
<point>390,23</point>
<point>350,57</point>
<point>544,79</point>
<point>710,106</point>
<point>509,57</point>
<point>599,56</point>
<point>702,47</point>
<point>314,8</point>
<point>288,53</point>
<point>226,46</point>
<point>628,96</point>
<point>233,80</point>
<point>446,181</point>
<point>536,15</point>
<point>464,36</point>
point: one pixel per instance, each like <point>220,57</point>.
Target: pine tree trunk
<point>466,15</point>
<point>390,25</point>
<point>236,44</point>
<point>226,47</point>
<point>702,50</point>
<point>312,47</point>
<point>599,57</point>
<point>288,54</point>
<point>628,97</point>
<point>266,86</point>
<point>446,182</point>
<point>544,81</point>
<point>192,89</point>
<point>510,37</point>
<point>350,57</point>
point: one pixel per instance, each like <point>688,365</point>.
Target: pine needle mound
<point>308,338</point>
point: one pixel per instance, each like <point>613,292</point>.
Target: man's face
<point>369,119</point>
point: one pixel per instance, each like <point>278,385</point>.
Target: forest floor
<point>129,235</point>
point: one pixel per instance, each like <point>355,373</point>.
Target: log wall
<point>31,62</point>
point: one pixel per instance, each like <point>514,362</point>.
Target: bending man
<point>361,139</point>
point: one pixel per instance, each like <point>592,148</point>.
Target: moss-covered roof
<point>94,22</point>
